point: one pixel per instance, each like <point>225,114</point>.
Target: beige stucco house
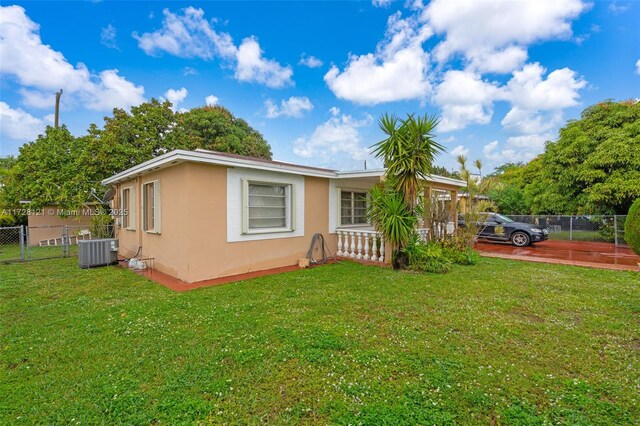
<point>201,214</point>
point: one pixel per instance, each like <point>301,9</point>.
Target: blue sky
<point>313,77</point>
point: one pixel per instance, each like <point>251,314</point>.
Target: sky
<point>314,77</point>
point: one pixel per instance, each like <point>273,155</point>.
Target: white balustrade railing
<point>369,245</point>
<point>361,244</point>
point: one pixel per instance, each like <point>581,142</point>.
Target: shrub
<point>466,256</point>
<point>632,227</point>
<point>426,257</point>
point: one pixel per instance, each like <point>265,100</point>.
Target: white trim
<point>210,157</point>
<point>178,156</point>
<point>380,173</point>
<point>131,207</point>
<point>237,216</point>
<point>157,206</point>
<point>289,207</point>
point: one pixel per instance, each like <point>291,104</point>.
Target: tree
<point>443,171</point>
<point>60,169</point>
<point>407,152</point>
<point>46,172</point>
<point>215,128</point>
<point>593,167</point>
<point>632,227</point>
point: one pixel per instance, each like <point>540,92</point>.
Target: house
<point>201,214</point>
<point>48,225</point>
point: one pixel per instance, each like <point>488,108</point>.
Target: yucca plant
<point>408,153</point>
<point>391,216</point>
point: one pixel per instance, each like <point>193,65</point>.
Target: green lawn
<point>499,343</point>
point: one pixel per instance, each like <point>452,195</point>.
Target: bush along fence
<point>591,228</point>
<point>24,243</point>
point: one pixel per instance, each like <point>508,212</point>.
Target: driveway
<point>597,255</point>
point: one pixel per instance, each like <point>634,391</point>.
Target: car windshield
<point>504,219</point>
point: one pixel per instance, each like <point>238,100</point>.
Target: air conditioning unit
<point>92,253</point>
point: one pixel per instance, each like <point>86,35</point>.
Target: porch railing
<point>361,244</point>
<point>366,244</point>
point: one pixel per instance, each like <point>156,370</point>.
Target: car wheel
<point>520,239</point>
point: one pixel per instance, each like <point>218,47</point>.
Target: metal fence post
<point>22,234</point>
<point>615,229</point>
<point>570,228</point>
<point>65,240</point>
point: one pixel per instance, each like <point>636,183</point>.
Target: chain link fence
<point>591,228</point>
<point>24,243</point>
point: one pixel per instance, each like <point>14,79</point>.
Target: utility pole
<point>57,115</point>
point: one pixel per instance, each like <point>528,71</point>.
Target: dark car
<point>496,227</point>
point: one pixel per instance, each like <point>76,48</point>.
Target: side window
<point>353,208</point>
<point>268,207</point>
<point>151,206</point>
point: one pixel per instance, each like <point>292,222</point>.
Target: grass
<point>579,235</point>
<point>12,253</point>
<point>499,343</point>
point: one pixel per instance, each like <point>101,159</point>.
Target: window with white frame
<point>353,207</point>
<point>268,207</point>
<point>151,206</point>
<point>127,208</point>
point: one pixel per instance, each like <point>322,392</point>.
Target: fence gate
<point>23,243</point>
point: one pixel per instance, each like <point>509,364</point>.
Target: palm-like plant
<point>390,215</point>
<point>408,152</point>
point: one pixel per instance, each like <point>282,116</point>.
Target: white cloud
<point>537,103</point>
<point>492,152</point>
<point>310,61</point>
<point>498,30</point>
<point>616,8</point>
<point>211,100</point>
<point>42,70</point>
<point>530,142</point>
<point>398,70</point>
<point>465,99</point>
<point>381,3</point>
<point>108,36</point>
<point>459,150</point>
<point>252,67</point>
<point>638,66</point>
<point>335,139</point>
<point>190,35</point>
<point>176,96</point>
<point>292,107</point>
<point>528,90</point>
<point>189,71</point>
<point>19,125</point>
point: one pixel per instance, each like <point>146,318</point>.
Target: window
<point>128,207</point>
<point>268,207</point>
<point>353,208</point>
<point>126,198</point>
<point>151,206</point>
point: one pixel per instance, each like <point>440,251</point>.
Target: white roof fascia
<point>208,158</point>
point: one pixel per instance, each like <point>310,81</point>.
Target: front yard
<point>502,342</point>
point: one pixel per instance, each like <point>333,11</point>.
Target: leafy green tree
<point>215,128</point>
<point>632,227</point>
<point>46,172</point>
<point>61,169</point>
<point>509,199</point>
<point>593,167</point>
<point>443,171</point>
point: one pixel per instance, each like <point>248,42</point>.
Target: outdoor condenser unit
<point>92,253</point>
